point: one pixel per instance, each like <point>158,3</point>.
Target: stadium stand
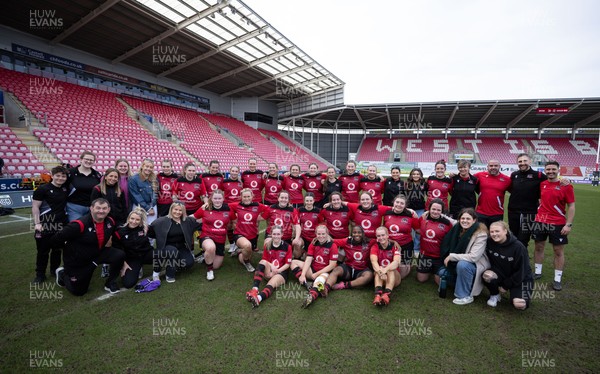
<point>18,160</point>
<point>80,118</point>
<point>195,134</point>
<point>377,149</point>
<point>296,153</point>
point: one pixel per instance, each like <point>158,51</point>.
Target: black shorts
<point>220,250</point>
<point>407,253</point>
<point>253,241</point>
<point>426,264</point>
<point>350,274</point>
<point>488,220</point>
<point>285,274</point>
<point>163,209</point>
<point>543,231</point>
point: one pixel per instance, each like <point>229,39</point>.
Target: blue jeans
<point>75,211</point>
<point>417,238</point>
<point>465,275</point>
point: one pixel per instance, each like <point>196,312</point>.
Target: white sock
<point>155,274</point>
<point>538,268</point>
<point>259,298</point>
<point>557,275</point>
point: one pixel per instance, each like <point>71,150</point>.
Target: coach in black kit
<point>85,249</point>
<point>524,198</point>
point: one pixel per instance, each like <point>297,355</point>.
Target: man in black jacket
<point>85,249</point>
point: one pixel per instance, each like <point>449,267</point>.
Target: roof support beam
<point>77,25</point>
<point>389,118</point>
<point>360,119</point>
<point>555,118</point>
<point>485,116</point>
<point>518,118</point>
<point>180,26</point>
<point>451,118</point>
<point>584,122</point>
<point>297,86</point>
<point>208,54</point>
<point>247,66</point>
<point>266,80</point>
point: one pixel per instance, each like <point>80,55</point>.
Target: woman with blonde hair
<point>142,189</point>
<point>124,168</point>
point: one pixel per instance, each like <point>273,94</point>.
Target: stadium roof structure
<point>222,46</point>
<point>567,116</point>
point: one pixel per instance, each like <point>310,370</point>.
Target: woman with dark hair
<point>122,165</point>
<point>330,185</point>
<point>110,189</point>
<point>393,186</point>
<point>189,189</point>
<point>166,178</point>
<point>401,222</point>
<point>463,252</point>
<point>373,184</point>
<point>273,184</point>
<point>132,238</point>
<point>416,191</point>
<point>355,271</point>
<point>283,214</point>
<point>81,180</point>
<point>433,227</point>
<point>350,180</point>
<point>313,181</point>
<point>274,266</point>
<point>174,235</point>
<point>308,217</point>
<point>464,189</point>
<point>439,185</point>
<point>336,217</point>
<point>232,190</point>
<point>385,260</point>
<point>215,219</point>
<point>367,214</point>
<point>294,183</point>
<point>143,187</point>
<point>509,268</point>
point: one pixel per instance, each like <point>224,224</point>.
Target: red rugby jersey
<point>215,222</point>
<point>368,219</point>
<point>309,220</point>
<point>165,185</point>
<point>278,256</point>
<point>385,256</point>
<point>254,181</point>
<point>247,218</point>
<point>314,184</point>
<point>213,181</point>
<point>432,235</point>
<point>337,221</point>
<point>190,193</point>
<point>350,186</point>
<point>492,189</point>
<point>554,200</point>
<point>285,217</point>
<point>294,186</point>
<point>438,189</point>
<point>373,186</point>
<point>356,255</point>
<point>232,189</point>
<point>322,254</point>
<point>400,225</point>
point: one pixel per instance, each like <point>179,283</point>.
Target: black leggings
<point>173,259</point>
<point>130,277</point>
<point>77,278</point>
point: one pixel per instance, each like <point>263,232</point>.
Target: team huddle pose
<point>329,232</point>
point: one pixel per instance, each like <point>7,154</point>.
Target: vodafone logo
<point>308,224</point>
<point>189,195</point>
<point>385,262</point>
<point>312,185</point>
<point>337,223</point>
<point>351,186</point>
<point>253,184</point>
<point>436,193</point>
<point>278,222</point>
<point>319,259</point>
<point>430,234</point>
<point>247,217</point>
<point>218,224</point>
<point>273,189</point>
<point>366,224</point>
<point>235,192</point>
<point>294,186</point>
<point>394,229</point>
<point>372,192</point>
<point>275,263</point>
<point>166,187</point>
<point>213,187</point>
<point>358,256</point>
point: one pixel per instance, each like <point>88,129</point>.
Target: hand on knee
<point>489,276</point>
<point>520,304</point>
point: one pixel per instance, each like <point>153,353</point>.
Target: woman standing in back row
<point>143,187</point>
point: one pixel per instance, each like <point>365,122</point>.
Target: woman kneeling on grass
<point>275,265</point>
<point>463,251</point>
<point>321,259</point>
<point>509,270</point>
<point>385,258</point>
